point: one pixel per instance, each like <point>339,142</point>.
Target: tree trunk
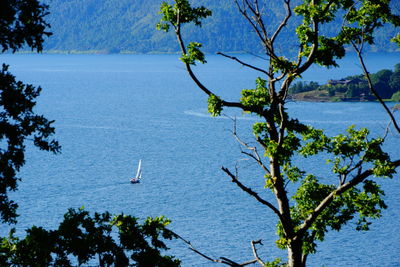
<point>295,255</point>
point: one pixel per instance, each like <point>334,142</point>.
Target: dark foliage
<point>22,22</point>
<point>18,122</point>
<point>84,239</point>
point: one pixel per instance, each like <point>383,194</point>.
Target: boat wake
<point>204,114</point>
<point>94,127</point>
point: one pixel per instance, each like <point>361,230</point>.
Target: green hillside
<point>113,26</point>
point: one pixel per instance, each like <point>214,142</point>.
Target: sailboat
<point>138,176</point>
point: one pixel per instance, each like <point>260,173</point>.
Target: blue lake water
<point>112,110</point>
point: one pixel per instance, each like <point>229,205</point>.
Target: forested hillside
<point>112,26</point>
<point>351,88</point>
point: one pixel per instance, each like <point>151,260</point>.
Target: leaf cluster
<point>349,151</point>
<point>214,105</point>
<point>366,202</point>
<point>193,54</point>
<point>179,13</point>
<point>257,98</point>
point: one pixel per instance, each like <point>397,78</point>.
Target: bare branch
<point>245,64</point>
<point>255,253</point>
<point>244,13</point>
<point>200,253</point>
<point>258,160</point>
<point>251,192</point>
<point>256,11</point>
<point>372,88</point>
<point>284,22</point>
<point>222,260</point>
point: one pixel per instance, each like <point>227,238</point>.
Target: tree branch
<point>196,80</point>
<point>314,49</point>
<point>251,192</point>
<point>258,18</point>
<point>222,260</point>
<point>311,56</point>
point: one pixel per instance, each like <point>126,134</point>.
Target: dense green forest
<point>352,88</point>
<point>113,26</point>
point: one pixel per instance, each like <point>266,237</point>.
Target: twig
<point>284,22</point>
<point>255,253</point>
<point>245,64</point>
<point>256,156</point>
<point>244,13</point>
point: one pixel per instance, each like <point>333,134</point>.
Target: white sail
<point>139,170</point>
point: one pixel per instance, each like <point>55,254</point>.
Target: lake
<point>113,110</point>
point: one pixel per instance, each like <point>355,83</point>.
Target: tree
<point>381,81</point>
<point>315,205</point>
<point>21,24</point>
<point>395,79</point>
<point>396,97</point>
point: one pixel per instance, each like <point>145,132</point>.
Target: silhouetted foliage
<point>21,23</point>
<point>84,239</point>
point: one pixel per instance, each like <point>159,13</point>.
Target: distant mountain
<point>113,26</point>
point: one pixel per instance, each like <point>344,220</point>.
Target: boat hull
<point>135,181</point>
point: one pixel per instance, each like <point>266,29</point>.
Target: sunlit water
<point>112,110</point>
